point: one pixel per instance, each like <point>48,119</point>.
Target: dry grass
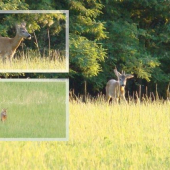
<point>34,64</point>
<point>102,136</point>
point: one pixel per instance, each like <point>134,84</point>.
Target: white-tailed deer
<point>8,46</point>
<point>115,89</point>
<point>3,115</point>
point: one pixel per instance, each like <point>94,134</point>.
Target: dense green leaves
<point>13,5</point>
<point>85,56</point>
<point>132,35</point>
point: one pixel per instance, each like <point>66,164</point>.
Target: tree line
<point>133,36</point>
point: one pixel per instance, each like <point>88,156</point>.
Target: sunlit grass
<point>34,109</point>
<point>102,136</point>
<point>34,64</point>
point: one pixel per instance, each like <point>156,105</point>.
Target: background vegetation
<point>131,35</point>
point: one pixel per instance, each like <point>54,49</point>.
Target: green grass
<point>34,64</point>
<point>101,137</point>
<point>35,109</point>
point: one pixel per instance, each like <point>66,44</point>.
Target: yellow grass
<point>101,137</point>
<point>34,64</point>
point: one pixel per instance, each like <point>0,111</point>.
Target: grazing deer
<point>116,89</point>
<point>8,46</point>
<point>3,115</point>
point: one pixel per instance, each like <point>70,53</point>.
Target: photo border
<point>67,109</point>
<point>66,40</point>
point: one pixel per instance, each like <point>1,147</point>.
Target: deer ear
<point>116,72</point>
<point>129,76</point>
<point>23,24</point>
<point>17,26</point>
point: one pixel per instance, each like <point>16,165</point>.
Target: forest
<point>133,36</point>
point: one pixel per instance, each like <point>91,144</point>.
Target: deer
<point>115,89</point>
<point>8,45</point>
<point>3,115</point>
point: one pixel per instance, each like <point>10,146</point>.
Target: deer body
<point>115,89</point>
<point>3,115</point>
<point>8,46</point>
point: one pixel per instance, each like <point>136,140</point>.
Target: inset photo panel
<point>34,109</point>
<point>34,41</point>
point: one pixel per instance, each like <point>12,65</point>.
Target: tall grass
<point>36,64</point>
<point>31,61</point>
<point>102,136</point>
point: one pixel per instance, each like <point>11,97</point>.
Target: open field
<point>34,109</point>
<point>34,64</point>
<point>100,137</point>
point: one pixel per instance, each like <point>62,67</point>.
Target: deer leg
<point>123,97</point>
<point>10,59</point>
<point>3,59</point>
<point>115,100</point>
<point>107,98</point>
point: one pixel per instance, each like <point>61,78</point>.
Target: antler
<point>123,72</point>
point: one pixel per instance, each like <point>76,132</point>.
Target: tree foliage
<point>131,35</point>
<point>85,52</point>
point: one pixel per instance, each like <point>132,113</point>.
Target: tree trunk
<point>85,91</point>
<point>49,46</point>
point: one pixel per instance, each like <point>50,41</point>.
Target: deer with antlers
<point>115,89</point>
<point>8,46</point>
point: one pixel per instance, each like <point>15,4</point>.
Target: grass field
<point>34,64</point>
<point>101,137</point>
<point>34,109</point>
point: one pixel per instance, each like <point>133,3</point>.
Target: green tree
<point>86,52</point>
<point>132,35</point>
<point>138,39</point>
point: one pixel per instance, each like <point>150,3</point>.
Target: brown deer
<point>8,46</point>
<point>115,89</point>
<point>3,115</point>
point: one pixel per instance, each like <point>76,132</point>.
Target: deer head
<point>122,77</point>
<point>22,31</point>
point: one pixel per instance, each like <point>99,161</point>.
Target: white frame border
<point>66,40</point>
<point>67,109</point>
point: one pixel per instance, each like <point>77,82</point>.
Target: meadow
<point>34,109</point>
<point>36,64</point>
<point>31,62</point>
<point>101,137</point>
